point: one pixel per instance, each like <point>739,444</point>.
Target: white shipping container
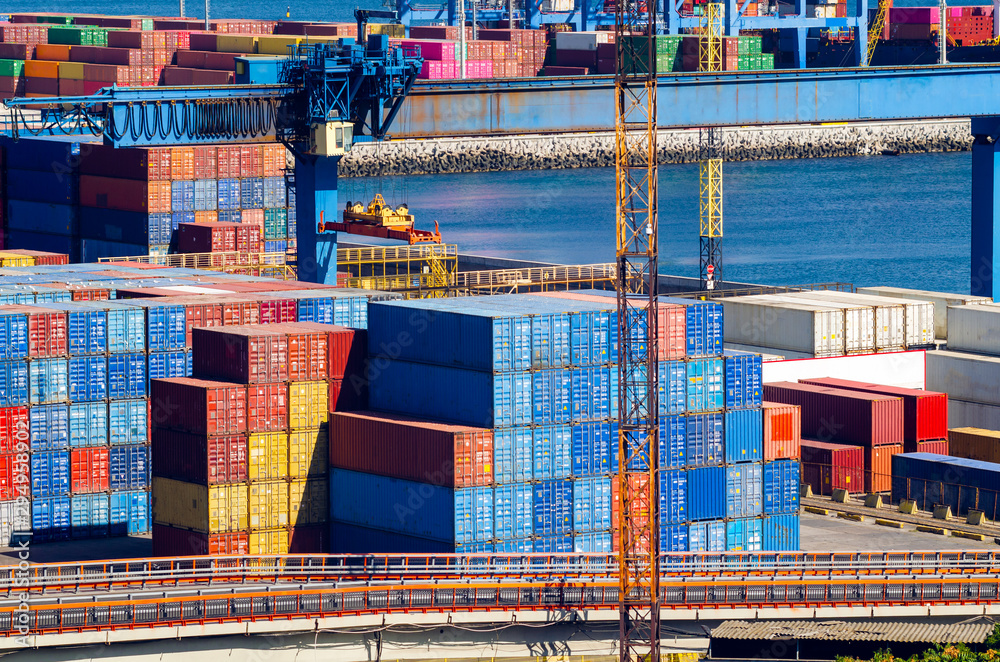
<point>889,321</point>
<point>963,414</point>
<point>905,369</point>
<point>579,41</point>
<point>859,320</point>
<point>919,318</point>
<point>974,328</point>
<point>761,321</point>
<point>941,301</point>
<point>15,519</point>
<point>559,5</point>
<point>968,377</point>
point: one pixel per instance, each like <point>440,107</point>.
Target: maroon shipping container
<point>33,85</point>
<point>134,163</point>
<point>169,541</point>
<point>347,349</point>
<point>308,351</point>
<point>242,354</point>
<point>198,405</point>
<point>13,51</point>
<point>849,417</point>
<point>278,310</point>
<point>782,431</point>
<point>267,407</point>
<point>568,58</point>
<point>221,61</point>
<point>191,59</point>
<point>565,71</point>
<point>69,87</point>
<point>826,467</point>
<point>114,193</point>
<point>411,449</point>
<point>199,458</point>
<point>206,237</point>
<point>46,330</point>
<point>203,41</point>
<point>210,77</point>
<point>349,394</point>
<point>309,539</point>
<point>936,446</point>
<point>925,413</point>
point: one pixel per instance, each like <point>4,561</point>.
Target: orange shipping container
<point>182,163</point>
<point>253,216</point>
<point>782,431</point>
<point>274,159</point>
<point>229,163</point>
<point>206,216</point>
<point>638,484</point>
<point>57,52</point>
<point>41,69</point>
<point>89,470</point>
<point>250,161</point>
<point>878,467</point>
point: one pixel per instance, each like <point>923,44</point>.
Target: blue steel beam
<point>689,100</point>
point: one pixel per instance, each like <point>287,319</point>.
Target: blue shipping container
<point>552,393</point>
<point>706,496</point>
<point>166,365</point>
<point>553,452</point>
<point>13,335</point>
<point>513,546</point>
<point>462,396</point>
<point>274,192</point>
<point>673,389</point>
<point>744,435</point>
<point>50,518</point>
<point>553,507</point>
<point>745,535</point>
<point>128,422</point>
<point>781,533</point>
<point>229,194</point>
<point>181,195</point>
<point>781,487</point>
<point>744,490</point>
<point>166,324</point>
<point>674,538</point>
<point>673,496</point>
<point>48,380</point>
<point>592,449</point>
<point>705,446</point>
<point>46,219</point>
<point>88,378</point>
<point>707,536</point>
<point>513,459</point>
<point>276,247</point>
<point>88,424</point>
<point>49,426</point>
<point>553,544</point>
<point>126,376</point>
<point>591,392</point>
<point>705,385</point>
<point>89,516</point>
<point>206,195</point>
<point>958,482</point>
<point>513,510</point>
<point>160,228</point>
<point>126,325</point>
<point>49,474</point>
<point>704,326</point>
<point>130,513</point>
<point>128,467</point>
<point>673,442</point>
<point>592,543</point>
<point>743,379</point>
<point>252,193</point>
<point>591,505</point>
<point>178,217</point>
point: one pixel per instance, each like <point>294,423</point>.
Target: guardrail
<point>241,569</point>
<point>77,614</point>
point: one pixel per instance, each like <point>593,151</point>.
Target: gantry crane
<point>637,481</point>
<point>710,157</point>
<point>330,95</point>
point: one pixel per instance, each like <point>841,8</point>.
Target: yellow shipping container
<point>307,405</point>
<point>307,453</point>
<point>393,30</point>
<point>15,260</point>
<point>975,444</point>
<point>308,501</point>
<point>236,43</point>
<point>206,509</point>
<point>276,45</point>
<point>71,70</point>
<point>269,541</point>
<point>268,458</point>
<point>268,505</point>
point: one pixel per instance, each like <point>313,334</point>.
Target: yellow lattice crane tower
<point>875,30</point>
<point>637,480</point>
<point>710,157</point>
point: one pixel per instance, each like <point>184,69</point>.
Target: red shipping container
<point>131,38</point>
<point>240,311</point>
<point>411,449</point>
<point>249,237</point>
<point>849,417</point>
<point>170,541</point>
<point>252,217</point>
<point>267,407</point>
<point>826,467</point>
<point>925,413</point>
<point>936,446</point>
<point>199,458</point>
<point>202,41</point>
<point>229,164</point>
<point>200,312</point>
<point>124,194</point>
<point>243,354</point>
<point>191,59</point>
<point>350,394</point>
<point>14,430</point>
<point>251,164</point>
<point>69,88</point>
<point>308,539</point>
<point>46,330</point>
<point>200,406</point>
<point>347,349</point>
<point>210,77</point>
<point>278,310</point>
<point>47,86</point>
<point>15,476</point>
<point>205,163</point>
<point>782,431</point>
<point>638,486</point>
<point>206,237</point>
<point>88,470</point>
<point>308,350</point>
<point>878,467</point>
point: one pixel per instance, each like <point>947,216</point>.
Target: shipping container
<point>15,522</point>
<point>827,466</point>
<point>13,383</point>
<point>705,385</point>
<point>553,507</point>
<point>308,453</point>
<point>513,455</point>
<point>704,326</point>
<point>89,470</point>
<point>513,508</point>
<point>308,351</point>
<point>199,458</point>
<point>15,479</point>
<point>165,323</point>
<point>705,440</point>
<point>50,518</point>
<point>86,328</point>
<point>129,467</point>
<point>269,541</point>
<point>50,474</point>
<point>936,446</point>
<point>899,322</point>
<point>13,334</point>
<point>864,331</point>
<point>89,516</point>
<point>959,483</point>
<point>307,405</point>
<point>309,539</point>
<point>48,381</point>
<point>126,325</point>
<point>743,379</point>
<point>267,457</point>
<point>941,301</point>
<point>878,467</point>
<point>745,535</point>
<point>673,496</point>
<point>781,533</point>
<point>743,435</point>
<point>128,421</point>
<point>126,376</point>
<point>798,327</point>
<point>199,406</point>
<point>965,377</point>
<point>206,509</point>
<point>782,431</point>
<point>706,493</point>
<point>15,428</point>
<point>744,490</point>
<point>244,354</point>
<point>308,501</point>
<point>591,543</point>
<point>268,504</point>
<point>168,365</point>
<point>974,444</point>
<point>267,407</point>
<point>925,413</point>
<point>842,416</point>
<point>49,427</point>
<point>591,449</point>
<point>674,538</point>
<point>170,541</point>
<point>552,450</point>
<point>552,393</point>
<point>672,442</point>
<point>88,378</point>
<point>781,487</point>
<point>130,513</point>
<point>707,536</point>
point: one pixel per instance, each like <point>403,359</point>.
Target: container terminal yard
<point>229,424</point>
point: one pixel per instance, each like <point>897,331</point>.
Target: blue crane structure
<point>328,96</point>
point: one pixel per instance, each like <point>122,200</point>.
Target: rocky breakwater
<point>540,152</point>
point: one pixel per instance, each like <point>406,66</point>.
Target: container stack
<point>967,26</point>
<point>782,434</point>
<point>967,370</point>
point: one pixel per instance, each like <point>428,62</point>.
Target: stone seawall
<point>540,152</point>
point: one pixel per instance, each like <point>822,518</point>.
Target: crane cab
<point>334,138</point>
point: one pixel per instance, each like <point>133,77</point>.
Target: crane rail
<point>108,575</point>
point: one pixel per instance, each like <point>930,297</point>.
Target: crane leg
<point>985,268</point>
<point>316,202</point>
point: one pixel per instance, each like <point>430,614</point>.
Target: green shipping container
<point>11,68</point>
<point>147,24</point>
<point>275,224</point>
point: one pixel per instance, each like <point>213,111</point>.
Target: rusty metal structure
<point>636,486</point>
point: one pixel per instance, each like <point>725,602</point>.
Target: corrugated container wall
<point>844,416</point>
